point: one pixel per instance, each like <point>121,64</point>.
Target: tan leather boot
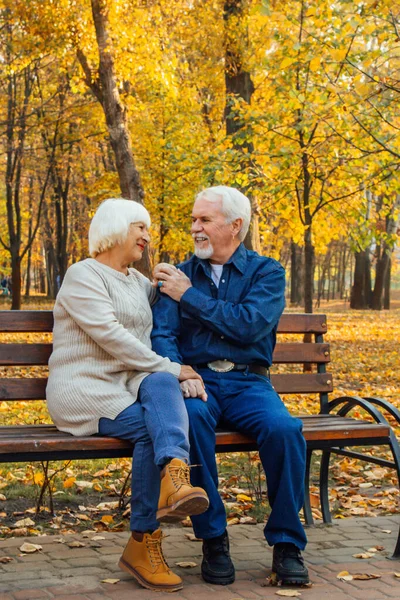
<point>145,561</point>
<point>178,498</point>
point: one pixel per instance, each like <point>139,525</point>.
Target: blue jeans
<point>248,403</point>
<point>157,425</point>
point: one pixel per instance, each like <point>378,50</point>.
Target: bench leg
<point>307,505</point>
<point>394,446</point>
<point>323,486</point>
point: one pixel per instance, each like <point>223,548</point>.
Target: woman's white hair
<point>235,205</point>
<point>110,224</point>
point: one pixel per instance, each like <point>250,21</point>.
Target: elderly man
<point>219,312</point>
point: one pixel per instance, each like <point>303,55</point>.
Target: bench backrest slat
<point>38,354</point>
<point>42,321</point>
<point>288,383</point>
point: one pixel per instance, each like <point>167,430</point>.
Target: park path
<point>62,573</point>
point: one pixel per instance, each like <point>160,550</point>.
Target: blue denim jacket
<point>236,321</point>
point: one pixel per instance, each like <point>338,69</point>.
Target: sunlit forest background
<point>295,103</point>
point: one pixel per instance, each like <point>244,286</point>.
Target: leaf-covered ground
<point>365,362</point>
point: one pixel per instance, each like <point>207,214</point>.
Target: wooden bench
<point>332,430</point>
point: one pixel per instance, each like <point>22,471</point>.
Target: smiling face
<point>135,243</point>
<point>214,238</point>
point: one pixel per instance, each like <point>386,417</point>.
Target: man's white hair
<point>110,224</point>
<point>235,205</point>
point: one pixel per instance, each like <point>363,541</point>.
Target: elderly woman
<point>105,379</point>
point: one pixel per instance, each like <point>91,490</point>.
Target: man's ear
<point>236,226</point>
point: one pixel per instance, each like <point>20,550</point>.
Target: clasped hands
<point>174,284</point>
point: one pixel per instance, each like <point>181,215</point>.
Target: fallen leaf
<point>107,519</point>
<point>288,593</point>
<point>386,530</point>
<point>233,521</point>
<point>96,538</point>
<point>76,544</point>
<point>20,532</point>
<point>372,550</point>
<point>243,498</point>
<point>107,505</point>
<point>363,555</point>
<point>248,521</point>
<point>83,484</point>
<point>24,523</point>
<point>68,483</point>
<point>112,581</point>
<point>186,565</point>
<point>3,498</point>
<point>396,574</point>
<point>344,576</point>
<point>363,576</point>
<point>192,538</point>
<point>5,559</point>
<point>30,548</point>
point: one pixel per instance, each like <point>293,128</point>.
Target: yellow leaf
<point>243,498</point>
<point>286,62</point>
<point>107,518</point>
<point>68,483</point>
<point>315,64</point>
<point>186,565</point>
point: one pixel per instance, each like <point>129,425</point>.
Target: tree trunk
<point>386,291</point>
<point>238,84</point>
<point>380,278</point>
<point>296,274</point>
<point>105,89</point>
<point>361,291</point>
<point>308,271</point>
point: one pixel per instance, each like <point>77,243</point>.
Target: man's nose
<point>196,227</point>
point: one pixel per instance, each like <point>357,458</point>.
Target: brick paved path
<point>65,573</point>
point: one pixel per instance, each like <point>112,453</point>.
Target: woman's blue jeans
<point>157,425</point>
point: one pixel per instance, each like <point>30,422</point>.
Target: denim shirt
<point>236,321</point>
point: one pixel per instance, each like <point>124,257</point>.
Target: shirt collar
<point>238,260</point>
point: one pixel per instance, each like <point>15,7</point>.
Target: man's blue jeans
<point>248,403</point>
<point>157,423</point>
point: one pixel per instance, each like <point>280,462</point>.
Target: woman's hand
<point>194,388</point>
<point>187,372</point>
<point>171,281</point>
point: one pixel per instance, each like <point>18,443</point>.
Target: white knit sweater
<point>101,345</point>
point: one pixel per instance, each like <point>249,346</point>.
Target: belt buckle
<point>221,366</point>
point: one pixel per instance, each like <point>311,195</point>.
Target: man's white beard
<point>204,253</point>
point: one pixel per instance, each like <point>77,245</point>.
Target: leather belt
<point>224,366</point>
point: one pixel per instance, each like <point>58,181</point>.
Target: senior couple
<point>163,364</point>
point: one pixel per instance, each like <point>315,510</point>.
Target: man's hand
<point>174,282</point>
<point>158,269</point>
<point>194,388</point>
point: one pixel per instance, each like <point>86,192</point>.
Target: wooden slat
<point>42,320</point>
<point>292,353</point>
<point>288,383</point>
<point>302,383</point>
<point>26,320</point>
<point>24,354</point>
<point>302,323</point>
<point>46,438</point>
<point>23,389</point>
<point>38,354</point>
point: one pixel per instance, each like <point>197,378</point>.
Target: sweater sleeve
<point>84,296</point>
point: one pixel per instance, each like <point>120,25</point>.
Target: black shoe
<point>288,564</point>
<point>217,566</point>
